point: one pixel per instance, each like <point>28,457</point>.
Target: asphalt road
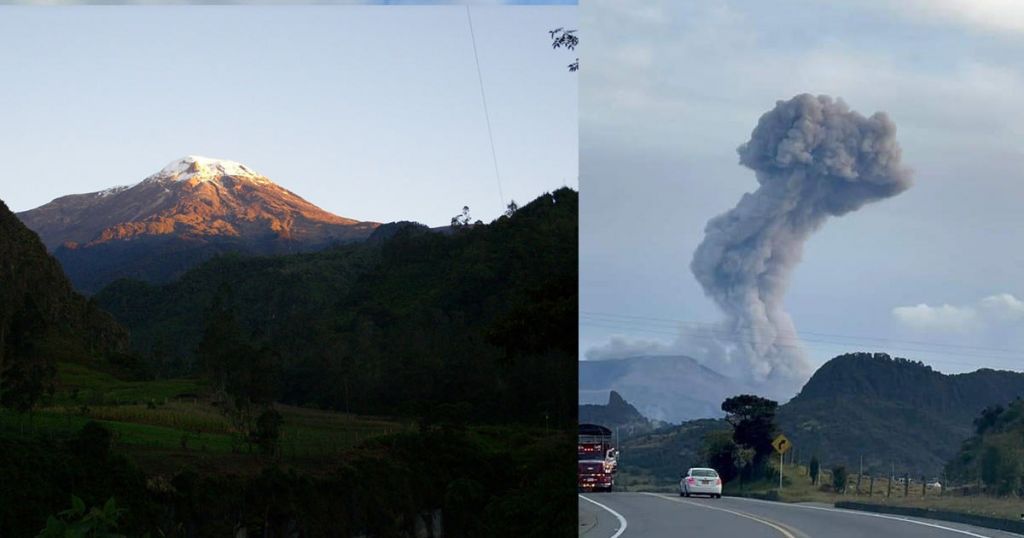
<point>655,515</point>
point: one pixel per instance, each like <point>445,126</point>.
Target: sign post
<point>781,445</point>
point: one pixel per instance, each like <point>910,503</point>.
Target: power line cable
<point>487,114</point>
<point>727,336</point>
<point>674,322</point>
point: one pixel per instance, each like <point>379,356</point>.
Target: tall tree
<point>753,422</point>
<point>815,468</point>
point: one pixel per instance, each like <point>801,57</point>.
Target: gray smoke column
<point>814,159</point>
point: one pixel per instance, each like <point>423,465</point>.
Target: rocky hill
<point>891,411</point>
<point>617,414</point>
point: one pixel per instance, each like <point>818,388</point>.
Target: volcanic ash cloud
<point>813,158</point>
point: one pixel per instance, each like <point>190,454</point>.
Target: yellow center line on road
<point>787,533</point>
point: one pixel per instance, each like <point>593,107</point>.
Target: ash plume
<point>814,158</point>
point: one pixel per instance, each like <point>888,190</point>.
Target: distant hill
<point>670,388</point>
<point>660,455</point>
<point>891,411</point>
<point>618,415</point>
<point>42,318</point>
<point>193,209</point>
<point>411,319</point>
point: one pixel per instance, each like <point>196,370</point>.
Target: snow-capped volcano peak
<point>205,169</point>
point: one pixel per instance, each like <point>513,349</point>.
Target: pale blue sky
<point>671,88</point>
<point>371,112</point>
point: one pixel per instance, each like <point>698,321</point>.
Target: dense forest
<point>479,321</point>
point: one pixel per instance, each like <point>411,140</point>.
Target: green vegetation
<point>179,415</point>
<point>483,316</point>
<point>839,478</point>
<point>42,319</point>
<point>657,458</point>
<point>75,522</point>
<point>753,428</point>
<point>365,390</point>
<point>900,413</point>
<point>992,461</point>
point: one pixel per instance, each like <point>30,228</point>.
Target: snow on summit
<point>205,169</point>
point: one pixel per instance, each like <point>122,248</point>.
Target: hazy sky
<point>668,91</point>
<point>371,112</point>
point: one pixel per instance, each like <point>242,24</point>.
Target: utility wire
<point>675,322</point>
<point>487,114</point>
<point>726,335</point>
<point>712,332</point>
<point>813,344</point>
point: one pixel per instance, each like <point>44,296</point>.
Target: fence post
<point>871,486</point>
<point>906,485</point>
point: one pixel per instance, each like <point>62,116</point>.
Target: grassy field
<point>797,487</point>
<point>174,419</point>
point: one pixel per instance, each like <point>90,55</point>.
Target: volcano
<point>192,209</point>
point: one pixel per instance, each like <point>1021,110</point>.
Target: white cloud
<point>987,15</point>
<point>619,347</point>
<point>661,84</point>
<point>1004,307</point>
<point>990,311</point>
<point>946,317</point>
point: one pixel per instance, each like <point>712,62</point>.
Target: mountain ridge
<point>194,208</point>
<point>907,413</point>
<point>892,412</point>
<point>670,388</point>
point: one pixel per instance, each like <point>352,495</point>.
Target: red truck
<point>597,459</point>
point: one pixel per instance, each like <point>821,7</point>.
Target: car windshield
<point>704,473</point>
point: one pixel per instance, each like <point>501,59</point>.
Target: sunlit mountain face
<point>192,209</point>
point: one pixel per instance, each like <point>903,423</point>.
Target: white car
<point>700,481</point>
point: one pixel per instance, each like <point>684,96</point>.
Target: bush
<point>839,477</point>
<point>268,430</point>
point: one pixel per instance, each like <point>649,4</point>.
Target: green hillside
<point>894,413</point>
<point>42,319</point>
<point>891,412</point>
<point>365,390</point>
<point>485,314</point>
<point>992,459</point>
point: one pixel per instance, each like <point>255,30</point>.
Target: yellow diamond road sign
<point>781,444</point>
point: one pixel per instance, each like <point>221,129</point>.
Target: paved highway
<point>655,515</point>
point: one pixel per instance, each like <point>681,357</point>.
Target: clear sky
<point>668,91</point>
<point>371,112</point>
